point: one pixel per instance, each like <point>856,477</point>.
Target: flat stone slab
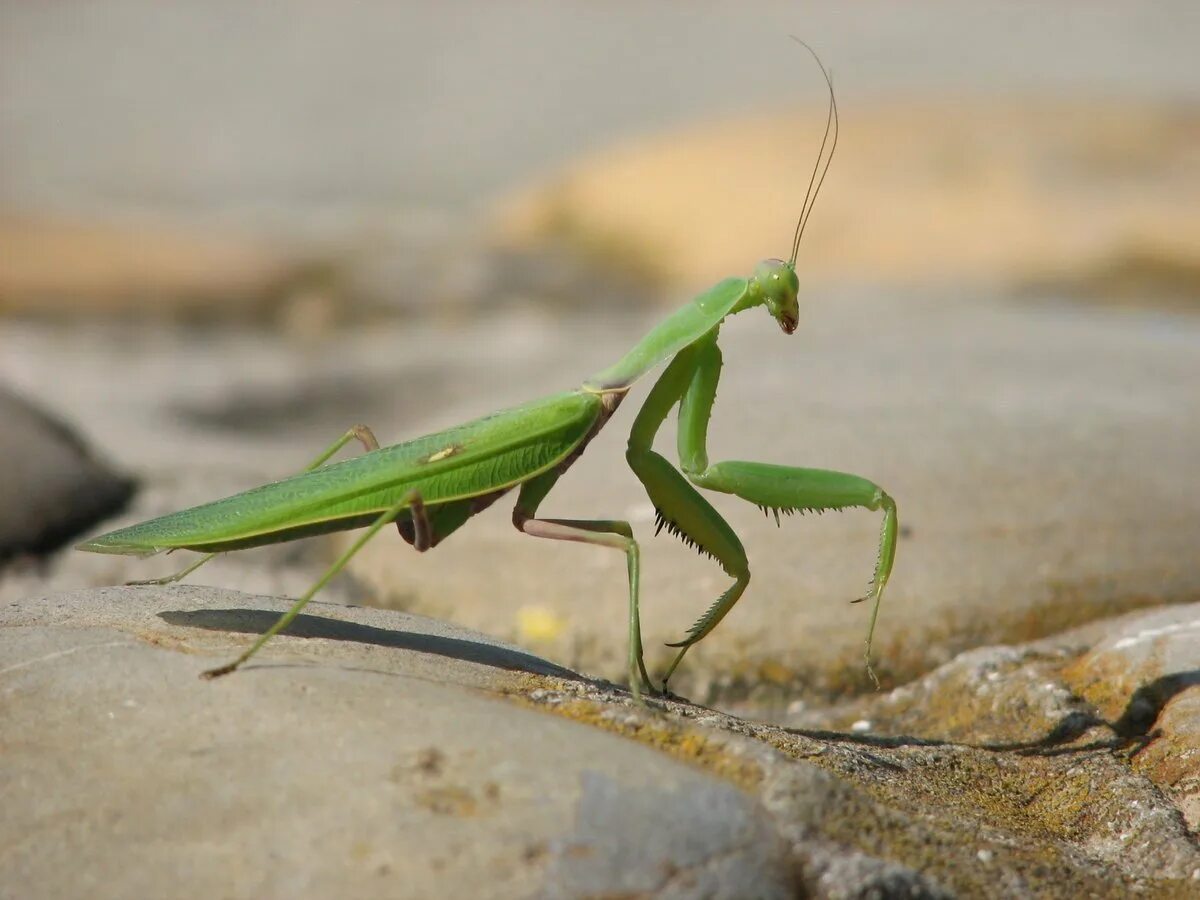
<point>344,765</point>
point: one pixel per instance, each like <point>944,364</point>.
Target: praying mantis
<point>432,486</point>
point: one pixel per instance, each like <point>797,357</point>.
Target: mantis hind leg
<point>410,498</point>
<point>790,490</point>
<point>600,532</point>
<point>360,433</point>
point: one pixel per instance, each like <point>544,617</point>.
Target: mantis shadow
<point>1132,731</point>
<point>253,621</point>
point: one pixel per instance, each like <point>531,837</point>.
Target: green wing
<point>480,457</point>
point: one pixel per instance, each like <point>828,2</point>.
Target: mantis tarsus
<point>431,486</point>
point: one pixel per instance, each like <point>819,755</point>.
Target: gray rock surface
<point>1145,677</point>
<point>378,753</point>
<point>52,486</point>
<point>355,768</point>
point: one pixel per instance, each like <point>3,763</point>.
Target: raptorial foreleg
<point>679,506</point>
<point>779,489</point>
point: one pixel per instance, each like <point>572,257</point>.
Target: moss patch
<point>665,735</point>
<point>763,688</point>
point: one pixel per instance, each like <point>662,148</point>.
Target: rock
<point>865,811</point>
<point>376,753</point>
<point>621,838</point>
<point>356,767</point>
<point>1144,677</point>
<point>52,487</point>
<point>1124,689</point>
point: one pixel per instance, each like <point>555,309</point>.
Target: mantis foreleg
<point>361,433</point>
<point>776,488</point>
<point>680,507</point>
<point>601,532</point>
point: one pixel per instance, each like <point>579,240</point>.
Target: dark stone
<point>52,487</point>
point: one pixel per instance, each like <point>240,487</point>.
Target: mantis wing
<point>481,457</point>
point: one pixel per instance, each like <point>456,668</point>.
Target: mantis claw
<point>871,669</point>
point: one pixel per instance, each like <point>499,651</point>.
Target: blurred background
<point>228,231</point>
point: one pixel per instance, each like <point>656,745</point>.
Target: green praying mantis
<point>431,486</point>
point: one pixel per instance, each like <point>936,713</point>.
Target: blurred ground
<point>1012,194</point>
<point>228,232</point>
<point>249,113</point>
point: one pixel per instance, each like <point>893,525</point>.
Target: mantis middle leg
<point>601,532</point>
<point>410,499</point>
<point>360,433</point>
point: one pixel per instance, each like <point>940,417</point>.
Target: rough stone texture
<point>377,753</point>
<point>52,486</point>
<point>1145,678</point>
<point>1087,713</point>
<point>623,835</point>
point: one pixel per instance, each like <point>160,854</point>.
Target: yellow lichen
<point>677,740</point>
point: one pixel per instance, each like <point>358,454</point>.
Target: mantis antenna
<point>814,183</point>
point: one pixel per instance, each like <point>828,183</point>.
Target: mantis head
<point>775,284</point>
